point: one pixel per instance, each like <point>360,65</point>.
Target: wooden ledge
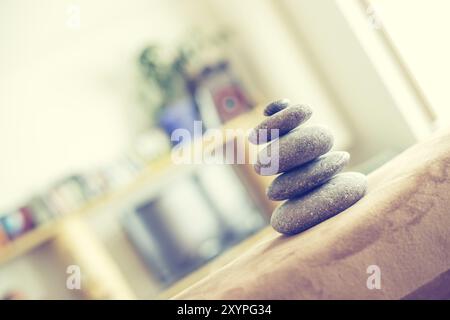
<point>402,226</point>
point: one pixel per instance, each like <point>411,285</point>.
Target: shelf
<point>155,171</point>
<point>28,241</point>
<point>49,230</point>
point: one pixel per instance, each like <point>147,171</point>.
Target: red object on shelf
<point>230,101</point>
<point>27,218</point>
<point>220,95</point>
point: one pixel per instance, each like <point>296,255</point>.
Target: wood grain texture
<point>402,225</point>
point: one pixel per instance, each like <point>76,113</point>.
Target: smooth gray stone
<point>294,149</point>
<point>285,120</point>
<point>331,198</point>
<point>276,106</point>
<point>312,174</point>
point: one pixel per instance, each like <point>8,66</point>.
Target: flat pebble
<point>276,106</point>
<point>294,149</point>
<point>284,120</point>
<point>324,202</point>
<point>300,180</point>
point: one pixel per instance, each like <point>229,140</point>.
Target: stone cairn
<point>310,180</point>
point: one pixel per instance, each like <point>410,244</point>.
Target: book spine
<point>41,213</point>
<point>4,239</point>
<point>15,224</point>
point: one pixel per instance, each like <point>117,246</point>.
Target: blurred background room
<point>91,91</point>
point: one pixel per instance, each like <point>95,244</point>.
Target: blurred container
<point>181,114</point>
<point>192,221</point>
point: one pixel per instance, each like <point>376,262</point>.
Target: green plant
<point>167,72</point>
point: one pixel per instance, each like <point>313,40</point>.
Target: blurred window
<point>418,32</point>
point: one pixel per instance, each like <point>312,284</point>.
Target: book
<point>28,220</point>
<point>4,239</point>
<point>94,184</point>
<point>15,224</point>
<point>71,194</point>
<point>40,211</point>
<point>56,202</point>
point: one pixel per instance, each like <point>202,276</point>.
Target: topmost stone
<point>276,106</point>
<point>279,124</point>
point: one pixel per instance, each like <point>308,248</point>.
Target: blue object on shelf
<point>182,114</point>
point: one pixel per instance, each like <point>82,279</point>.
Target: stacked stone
<point>310,178</point>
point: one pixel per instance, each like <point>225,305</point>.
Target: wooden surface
<point>402,226</point>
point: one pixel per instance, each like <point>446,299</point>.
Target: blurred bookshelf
<point>28,242</point>
<point>49,230</point>
<point>154,172</point>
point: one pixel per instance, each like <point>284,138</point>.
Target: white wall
<point>66,94</point>
<point>419,30</point>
